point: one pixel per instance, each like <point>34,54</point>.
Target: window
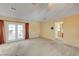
<point>11,32</point>
<point>15,31</point>
<point>20,31</point>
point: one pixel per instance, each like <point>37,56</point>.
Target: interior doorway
<point>59,34</point>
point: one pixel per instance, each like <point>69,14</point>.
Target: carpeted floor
<point>38,47</point>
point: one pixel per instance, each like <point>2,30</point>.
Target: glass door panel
<point>20,31</point>
<point>11,32</point>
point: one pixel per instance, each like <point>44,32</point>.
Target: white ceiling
<point>38,11</point>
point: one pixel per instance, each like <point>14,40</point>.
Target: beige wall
<point>70,27</point>
<point>71,30</point>
<point>46,31</point>
<point>34,25</point>
<point>34,29</point>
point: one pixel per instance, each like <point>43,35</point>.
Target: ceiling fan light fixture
<point>13,8</point>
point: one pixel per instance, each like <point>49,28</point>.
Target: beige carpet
<point>38,47</point>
